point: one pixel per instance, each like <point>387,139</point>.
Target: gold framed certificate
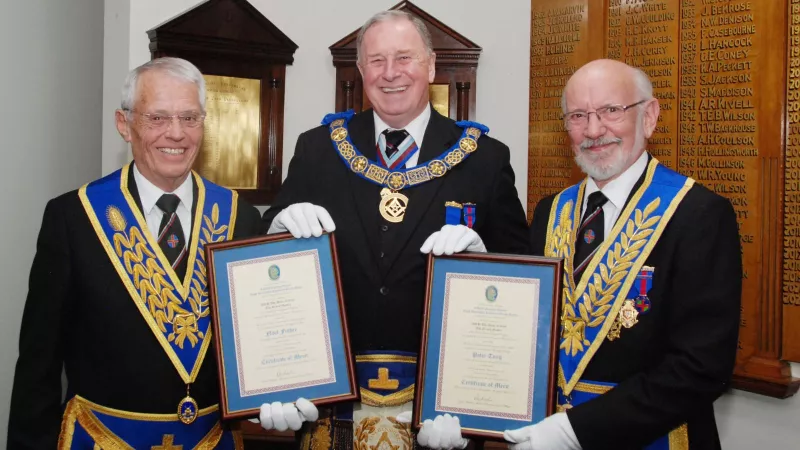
<point>279,324</point>
<point>489,345</point>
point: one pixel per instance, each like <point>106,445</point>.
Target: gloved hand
<point>302,220</point>
<point>280,416</point>
<point>444,432</point>
<point>453,239</point>
<point>552,433</point>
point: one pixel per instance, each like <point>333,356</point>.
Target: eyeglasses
<point>606,114</point>
<point>158,120</point>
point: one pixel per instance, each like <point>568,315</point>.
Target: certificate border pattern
<point>326,332</point>
<point>438,405</point>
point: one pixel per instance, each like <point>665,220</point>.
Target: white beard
<point>609,163</point>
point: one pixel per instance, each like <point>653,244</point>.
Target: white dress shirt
<point>616,191</point>
<point>416,128</point>
<point>149,195</point>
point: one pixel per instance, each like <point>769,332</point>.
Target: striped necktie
<point>395,147</point>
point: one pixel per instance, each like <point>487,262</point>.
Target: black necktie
<point>590,234</point>
<point>170,234</point>
<point>393,140</point>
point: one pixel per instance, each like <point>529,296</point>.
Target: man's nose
<point>175,129</point>
<point>390,71</point>
<point>594,128</point>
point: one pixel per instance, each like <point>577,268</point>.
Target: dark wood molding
<point>232,38</point>
<point>456,63</point>
<point>771,387</point>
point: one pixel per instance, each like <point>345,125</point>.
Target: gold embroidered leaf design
<point>156,290</point>
<point>404,429</point>
<point>362,432</point>
<point>560,244</point>
<point>595,302</point>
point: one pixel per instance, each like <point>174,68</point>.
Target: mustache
<point>587,143</point>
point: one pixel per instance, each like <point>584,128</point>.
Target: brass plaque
<point>440,98</point>
<point>727,76</point>
<point>229,154</point>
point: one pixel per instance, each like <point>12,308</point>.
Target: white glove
<point>442,433</point>
<point>280,416</point>
<point>552,433</point>
<point>453,239</point>
<point>302,220</point>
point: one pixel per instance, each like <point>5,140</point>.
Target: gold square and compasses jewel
<point>393,203</point>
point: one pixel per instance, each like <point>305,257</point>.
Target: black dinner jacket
<point>679,358</point>
<point>382,269</point>
<point>79,315</point>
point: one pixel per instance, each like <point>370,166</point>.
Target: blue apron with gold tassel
<point>87,425</point>
<point>177,312</point>
<point>607,299</point>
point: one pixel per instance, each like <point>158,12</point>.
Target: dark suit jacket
<point>80,316</point>
<point>382,269</point>
<point>679,358</point>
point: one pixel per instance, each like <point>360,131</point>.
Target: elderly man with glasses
<point>117,291</point>
<point>652,281</point>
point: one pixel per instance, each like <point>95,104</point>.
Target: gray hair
<point>640,79</point>
<point>176,67</point>
<point>386,16</point>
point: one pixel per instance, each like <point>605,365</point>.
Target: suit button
<point>384,291</point>
<point>384,227</point>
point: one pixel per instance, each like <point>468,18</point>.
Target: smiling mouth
<point>391,90</point>
<point>171,151</point>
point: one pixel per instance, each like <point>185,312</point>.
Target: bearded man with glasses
<point>118,292</point>
<point>652,281</point>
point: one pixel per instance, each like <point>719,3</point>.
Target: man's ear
<point>431,67</point>
<point>360,69</point>
<point>123,127</point>
<point>651,111</point>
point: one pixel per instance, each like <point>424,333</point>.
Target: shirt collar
<point>618,189</point>
<point>149,193</point>
<point>416,128</point>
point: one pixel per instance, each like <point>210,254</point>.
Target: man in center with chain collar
<point>396,182</point>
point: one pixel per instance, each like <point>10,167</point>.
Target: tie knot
<point>395,137</point>
<point>596,200</point>
<point>168,203</point>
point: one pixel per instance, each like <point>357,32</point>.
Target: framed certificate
<point>279,324</point>
<point>490,341</point>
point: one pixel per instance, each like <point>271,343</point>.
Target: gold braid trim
<point>100,433</point>
<point>67,426</point>
<point>679,438</point>
<point>370,398</point>
<point>386,358</point>
<point>211,439</point>
<point>582,386</point>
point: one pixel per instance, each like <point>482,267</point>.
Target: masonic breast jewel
<point>393,204</point>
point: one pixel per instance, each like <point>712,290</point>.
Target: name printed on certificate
<point>488,346</point>
<point>280,323</point>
